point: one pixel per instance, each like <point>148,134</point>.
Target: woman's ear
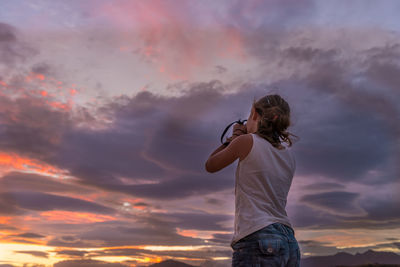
<point>254,114</point>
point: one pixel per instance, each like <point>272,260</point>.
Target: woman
<point>263,235</point>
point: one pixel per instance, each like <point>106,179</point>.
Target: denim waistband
<point>274,228</point>
<point>284,228</point>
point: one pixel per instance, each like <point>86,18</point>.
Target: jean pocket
<point>271,246</point>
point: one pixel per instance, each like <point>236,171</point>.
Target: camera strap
<point>227,127</point>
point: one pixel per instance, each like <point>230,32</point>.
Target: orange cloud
<point>75,217</point>
<point>13,161</point>
<point>188,233</point>
<point>5,219</point>
<point>60,105</point>
<point>72,91</point>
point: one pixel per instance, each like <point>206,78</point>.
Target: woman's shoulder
<point>246,143</point>
<point>279,148</point>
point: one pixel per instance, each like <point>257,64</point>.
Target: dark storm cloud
<point>42,201</point>
<point>162,227</point>
<point>327,211</point>
<point>197,221</point>
<point>153,142</point>
<point>41,68</point>
<point>383,67</point>
<point>47,70</point>
<point>77,253</point>
<point>7,33</point>
<point>138,144</point>
<point>385,208</point>
<point>305,217</point>
<point>40,254</point>
<point>331,143</point>
<point>221,238</point>
<point>323,186</point>
<point>214,201</point>
<point>339,201</point>
<point>29,235</point>
<point>374,111</point>
<point>159,144</point>
<point>176,188</point>
<point>31,128</point>
<point>12,49</point>
<point>127,236</point>
<point>16,181</point>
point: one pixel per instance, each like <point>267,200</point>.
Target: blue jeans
<point>273,245</point>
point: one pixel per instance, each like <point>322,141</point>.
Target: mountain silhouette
<point>171,263</point>
<point>343,259</point>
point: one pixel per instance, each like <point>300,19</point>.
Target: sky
<point>110,109</point>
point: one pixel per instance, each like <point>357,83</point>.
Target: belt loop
<point>285,229</point>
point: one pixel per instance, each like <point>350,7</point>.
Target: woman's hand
<point>239,129</point>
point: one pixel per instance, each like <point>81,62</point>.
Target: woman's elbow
<point>208,167</point>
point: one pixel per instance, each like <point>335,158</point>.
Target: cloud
<point>42,202</point>
<point>384,208</point>
<point>328,211</point>
<point>21,181</point>
<point>40,254</point>
<point>221,238</point>
<point>329,147</point>
<point>131,155</point>
<point>363,105</point>
<point>29,235</point>
<point>336,201</point>
<point>162,227</point>
<point>323,186</point>
<point>73,253</point>
<point>198,221</point>
<point>12,49</point>
<point>31,128</point>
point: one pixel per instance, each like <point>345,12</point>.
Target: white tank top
<point>262,182</point>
